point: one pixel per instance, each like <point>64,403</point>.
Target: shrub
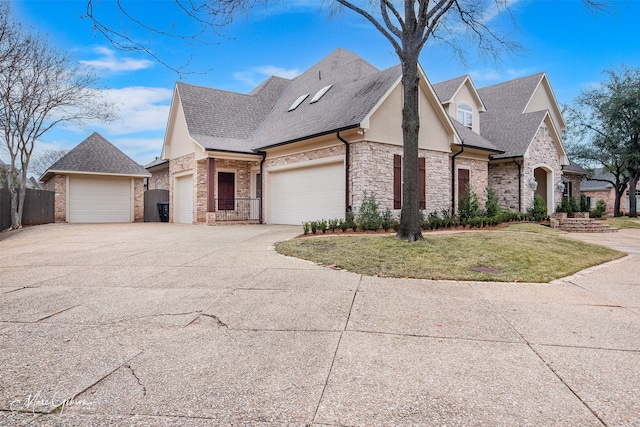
<point>306,227</point>
<point>343,225</point>
<point>322,225</point>
<point>584,204</point>
<point>601,207</point>
<point>468,205</point>
<point>539,210</point>
<point>492,206</point>
<point>350,221</point>
<point>387,220</point>
<point>369,216</point>
<point>333,224</point>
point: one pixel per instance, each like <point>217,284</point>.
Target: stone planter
<point>560,216</point>
<point>581,215</point>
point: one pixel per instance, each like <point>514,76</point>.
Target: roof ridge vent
<point>319,94</point>
<point>298,101</point>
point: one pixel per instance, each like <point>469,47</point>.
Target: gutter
<point>519,185</point>
<point>264,156</point>
<point>346,171</point>
<point>453,177</point>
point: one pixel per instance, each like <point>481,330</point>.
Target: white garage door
<point>183,200</point>
<point>100,199</point>
<point>306,194</point>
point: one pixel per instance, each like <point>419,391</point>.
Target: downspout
<point>346,172</point>
<point>264,156</point>
<point>453,178</point>
<point>519,185</point>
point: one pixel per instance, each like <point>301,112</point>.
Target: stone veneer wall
<point>575,181</point>
<point>181,164</point>
<point>320,153</point>
<point>542,151</point>
<point>371,170</point>
<point>478,177</point>
<point>58,184</point>
<point>138,199</point>
<point>163,176</point>
<point>503,177</point>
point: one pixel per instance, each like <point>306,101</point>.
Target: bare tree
<point>40,87</point>
<point>42,160</point>
<point>407,25</point>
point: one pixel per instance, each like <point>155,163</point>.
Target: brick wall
<point>609,196</point>
<point>160,176</point>
<point>138,200</point>
<point>58,184</point>
<point>478,177</point>
<point>503,177</point>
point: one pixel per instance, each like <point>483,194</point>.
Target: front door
<point>226,191</point>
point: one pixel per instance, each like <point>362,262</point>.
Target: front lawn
<point>623,222</point>
<point>520,252</point>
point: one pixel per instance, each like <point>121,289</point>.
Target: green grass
<point>624,222</point>
<point>522,252</point>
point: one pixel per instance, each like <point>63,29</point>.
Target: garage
<point>296,195</point>
<point>96,182</point>
<point>100,199</point>
<point>183,200</point>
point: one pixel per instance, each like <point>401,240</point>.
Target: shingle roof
<point>96,155</point>
<point>445,90</point>
<point>574,168</point>
<point>228,121</point>
<point>472,139</point>
<point>156,162</point>
<point>504,123</point>
<point>219,119</point>
<point>593,185</point>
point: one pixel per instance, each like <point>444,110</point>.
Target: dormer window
<point>465,115</point>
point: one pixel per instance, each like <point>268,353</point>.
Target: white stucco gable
<point>543,98</point>
<point>177,140</point>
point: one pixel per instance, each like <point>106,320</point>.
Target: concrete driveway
<point>161,324</point>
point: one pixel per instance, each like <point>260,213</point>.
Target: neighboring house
<point>96,182</point>
<point>597,188</point>
<point>31,181</point>
<point>310,147</point>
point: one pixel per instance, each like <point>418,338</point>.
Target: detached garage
<point>306,192</point>
<point>96,182</point>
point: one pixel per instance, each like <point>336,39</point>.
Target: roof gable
<point>96,155</point>
<point>543,98</point>
<point>448,90</point>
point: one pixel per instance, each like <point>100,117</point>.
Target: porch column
<point>211,173</point>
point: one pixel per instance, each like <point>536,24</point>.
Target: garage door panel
<point>100,199</point>
<point>183,200</point>
<point>306,194</point>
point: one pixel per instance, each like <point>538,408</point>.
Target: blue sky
<point>570,43</point>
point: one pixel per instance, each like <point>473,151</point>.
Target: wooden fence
<point>151,200</point>
<point>38,207</point>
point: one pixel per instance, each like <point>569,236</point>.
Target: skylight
<point>298,102</point>
<point>319,94</point>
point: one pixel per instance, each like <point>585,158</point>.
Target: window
<point>397,182</point>
<point>465,115</point>
<point>298,102</point>
<point>320,94</point>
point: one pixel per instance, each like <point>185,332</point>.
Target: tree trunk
<point>15,191</point>
<point>619,189</point>
<point>633,182</point>
<point>409,215</point>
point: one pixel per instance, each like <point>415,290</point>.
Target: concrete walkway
<point>161,324</point>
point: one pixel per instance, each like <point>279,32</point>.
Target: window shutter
<point>422,177</point>
<point>463,181</point>
<point>397,181</point>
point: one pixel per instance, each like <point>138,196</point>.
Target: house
<point>96,182</point>
<point>310,147</point>
<point>597,188</point>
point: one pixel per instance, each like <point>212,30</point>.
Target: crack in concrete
<point>214,317</point>
<point>55,314</point>
<point>144,389</point>
<point>335,353</point>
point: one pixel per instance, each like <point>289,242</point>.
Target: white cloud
<point>110,62</point>
<point>142,150</point>
<point>492,76</point>
<point>139,109</point>
<point>256,75</point>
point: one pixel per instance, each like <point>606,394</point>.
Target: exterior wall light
<point>533,184</point>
